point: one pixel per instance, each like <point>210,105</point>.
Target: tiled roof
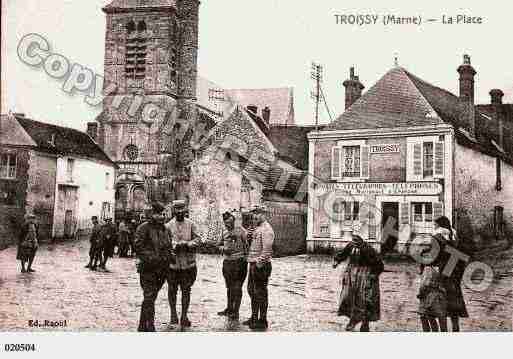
<point>11,133</point>
<point>67,141</point>
<point>394,101</point>
<point>139,4</point>
<point>292,143</point>
<point>279,100</point>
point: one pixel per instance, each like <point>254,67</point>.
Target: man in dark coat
<point>93,239</point>
<point>108,237</point>
<point>154,250</point>
<point>28,243</point>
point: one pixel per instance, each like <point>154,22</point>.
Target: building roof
<point>398,99</point>
<point>67,141</point>
<point>292,143</point>
<point>279,100</point>
<point>401,99</point>
<point>12,134</point>
<point>138,4</point>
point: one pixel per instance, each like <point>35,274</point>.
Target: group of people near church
<point>167,253</point>
<point>440,295</point>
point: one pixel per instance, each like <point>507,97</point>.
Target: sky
<point>268,43</point>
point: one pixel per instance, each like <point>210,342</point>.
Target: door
<point>68,224</point>
<point>389,225</point>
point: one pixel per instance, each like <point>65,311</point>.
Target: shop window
<point>8,166</point>
<point>349,211</point>
<point>422,217</point>
<point>8,197</point>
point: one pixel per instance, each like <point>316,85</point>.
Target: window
<point>351,161</point>
<point>107,180</point>
<point>136,51</point>
<point>8,166</point>
<point>498,180</point>
<point>422,217</point>
<point>69,169</point>
<point>105,210</point>
<point>349,211</point>
<point>428,159</point>
<point>498,221</point>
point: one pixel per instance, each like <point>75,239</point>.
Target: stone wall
<point>476,195</point>
<point>12,209</point>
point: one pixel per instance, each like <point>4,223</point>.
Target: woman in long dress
<point>451,283</point>
<point>360,293</point>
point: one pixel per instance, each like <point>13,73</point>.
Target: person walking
<point>108,235</point>
<point>360,293</point>
<point>183,271</point>
<point>260,268</point>
<point>445,235</point>
<point>234,246</point>
<point>28,243</point>
<point>154,248</point>
<point>124,233</point>
<point>93,239</point>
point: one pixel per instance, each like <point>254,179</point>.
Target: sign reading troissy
<point>386,148</point>
<point>390,189</point>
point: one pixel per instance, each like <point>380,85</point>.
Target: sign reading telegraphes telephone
<point>390,189</point>
<point>385,148</point>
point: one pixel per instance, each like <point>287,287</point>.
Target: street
<point>62,289</point>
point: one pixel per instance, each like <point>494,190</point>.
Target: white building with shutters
<point>399,157</point>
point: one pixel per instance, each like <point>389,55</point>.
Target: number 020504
<point>20,347</point>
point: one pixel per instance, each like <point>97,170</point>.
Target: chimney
<point>496,96</point>
<point>496,100</point>
<point>353,87</point>
<point>92,130</point>
<point>467,74</point>
<point>253,109</point>
<point>266,115</point>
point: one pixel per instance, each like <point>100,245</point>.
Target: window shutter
<point>364,162</point>
<point>414,161</point>
<point>438,210</point>
<point>439,155</point>
<point>335,162</point>
<point>405,213</point>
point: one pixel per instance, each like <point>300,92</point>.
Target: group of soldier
<point>166,252</point>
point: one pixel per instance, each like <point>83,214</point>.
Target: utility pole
<point>316,75</point>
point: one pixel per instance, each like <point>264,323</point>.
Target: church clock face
<point>131,152</point>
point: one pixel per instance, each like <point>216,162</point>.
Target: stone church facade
<point>150,81</point>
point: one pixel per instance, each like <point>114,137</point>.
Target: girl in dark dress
<point>360,293</point>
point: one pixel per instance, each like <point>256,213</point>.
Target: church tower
<point>151,50</point>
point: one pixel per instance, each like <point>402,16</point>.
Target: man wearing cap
<point>93,251</point>
<point>183,272</point>
<point>259,258</point>
<point>234,245</point>
<point>108,238</point>
<point>154,250</point>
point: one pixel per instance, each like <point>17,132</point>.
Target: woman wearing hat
<point>28,243</point>
<point>445,236</point>
<point>234,245</point>
<point>360,293</point>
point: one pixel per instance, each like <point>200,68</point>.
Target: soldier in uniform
<point>93,239</point>
<point>154,248</point>
<point>108,233</point>
<point>234,245</point>
<point>183,272</point>
<point>259,259</point>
